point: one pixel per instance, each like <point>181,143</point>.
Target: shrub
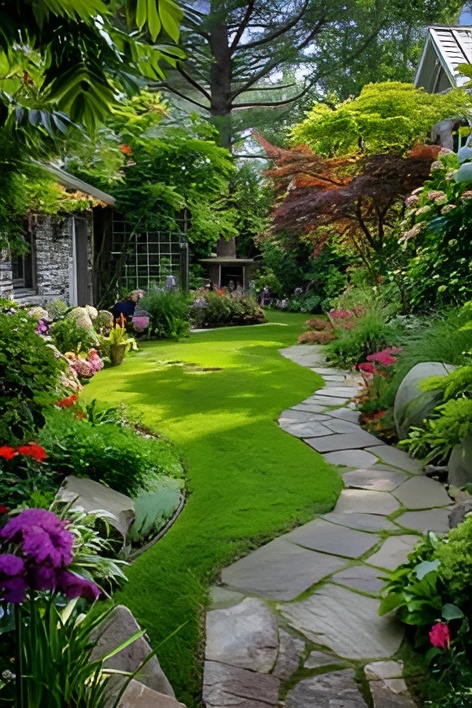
<point>168,311</point>
<point>441,339</point>
<point>116,456</point>
<point>69,336</point>
<point>211,309</point>
<point>323,337</point>
<point>318,324</point>
<point>30,377</point>
<point>371,332</point>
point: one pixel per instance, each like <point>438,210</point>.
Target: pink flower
<point>367,368</point>
<point>439,636</point>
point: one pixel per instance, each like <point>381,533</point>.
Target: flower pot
<point>117,353</point>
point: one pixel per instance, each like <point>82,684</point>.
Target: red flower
<point>80,415</point>
<point>439,636</point>
<point>7,452</point>
<point>33,450</point>
<point>125,149</point>
<point>67,402</point>
<point>4,509</point>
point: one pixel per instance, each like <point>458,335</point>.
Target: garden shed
<point>444,50</point>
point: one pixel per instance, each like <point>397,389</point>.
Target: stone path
<point>295,623</point>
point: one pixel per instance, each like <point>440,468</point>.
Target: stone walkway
<point>295,623</point>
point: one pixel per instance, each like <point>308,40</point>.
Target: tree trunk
<point>220,83</point>
<point>220,108</point>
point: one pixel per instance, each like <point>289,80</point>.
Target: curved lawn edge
<point>248,481</point>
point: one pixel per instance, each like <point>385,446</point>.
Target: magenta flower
<point>75,586</point>
<point>44,537</point>
<point>439,636</point>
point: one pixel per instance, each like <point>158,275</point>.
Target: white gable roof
<point>445,48</point>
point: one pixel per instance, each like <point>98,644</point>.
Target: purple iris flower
<point>73,585</point>
<point>12,583</point>
<point>44,537</point>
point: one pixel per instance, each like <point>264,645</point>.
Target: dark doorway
<point>231,273</point>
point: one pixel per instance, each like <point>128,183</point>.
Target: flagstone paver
<point>342,441</point>
<point>360,577</point>
<point>363,521</point>
<point>280,570</point>
<point>429,520</point>
<point>245,635</point>
<point>397,458</point>
<point>307,430</point>
<point>324,575</point>
<point>421,493</point>
<point>330,538</point>
<point>351,458</point>
<point>394,552</point>
<point>319,691</point>
<point>365,501</point>
<point>376,479</point>
<point>348,625</point>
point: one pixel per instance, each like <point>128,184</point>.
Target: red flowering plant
<point>23,476</point>
<point>376,373</point>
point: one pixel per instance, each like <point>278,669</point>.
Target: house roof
<point>445,48</point>
<point>70,182</point>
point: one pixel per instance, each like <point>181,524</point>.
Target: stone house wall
<point>54,262</point>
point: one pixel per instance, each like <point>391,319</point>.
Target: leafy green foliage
<point>69,336</point>
<point>455,558</point>
<point>373,329</point>
<point>26,481</point>
<point>119,457</point>
<point>385,116</point>
<point>75,58</point>
<point>169,313</point>
<point>450,423</point>
<point>153,510</point>
<point>436,238</point>
<point>210,309</point>
<point>32,384</point>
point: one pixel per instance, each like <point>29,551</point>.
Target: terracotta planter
<point>117,353</point>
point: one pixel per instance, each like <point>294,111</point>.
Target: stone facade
<point>55,271</point>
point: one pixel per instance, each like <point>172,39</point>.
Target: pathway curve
<point>295,623</point>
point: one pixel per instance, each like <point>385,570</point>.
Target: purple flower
<point>13,590</point>
<point>42,578</point>
<point>75,586</point>
<point>43,535</point>
<point>12,584</point>
<point>11,565</point>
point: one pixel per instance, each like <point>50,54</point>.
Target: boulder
<point>91,496</point>
<point>137,695</point>
<point>412,405</point>
<point>460,463</point>
<point>459,512</point>
<point>117,628</point>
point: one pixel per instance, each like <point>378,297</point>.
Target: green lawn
<point>247,480</point>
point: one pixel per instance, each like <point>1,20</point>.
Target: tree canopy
<point>264,53</point>
<point>385,116</point>
<point>361,198</point>
<point>70,60</point>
